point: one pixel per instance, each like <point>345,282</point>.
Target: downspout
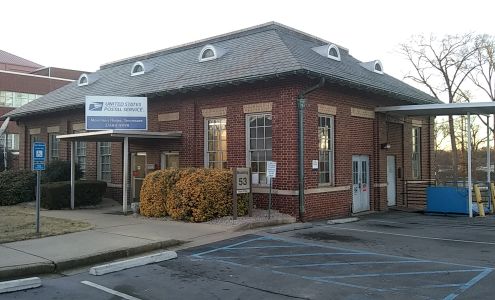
<point>301,103</point>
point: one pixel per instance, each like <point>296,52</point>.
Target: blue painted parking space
<point>349,268</point>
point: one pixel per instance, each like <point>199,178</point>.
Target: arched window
<point>378,67</point>
<point>333,52</point>
<point>137,69</point>
<point>208,53</point>
<point>83,80</point>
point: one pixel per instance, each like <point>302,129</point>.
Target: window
<point>169,160</point>
<point>15,99</point>
<point>216,143</point>
<point>259,139</point>
<point>333,52</point>
<point>326,153</point>
<point>54,146</point>
<point>105,161</point>
<point>11,140</point>
<point>208,53</point>
<point>81,156</point>
<point>378,67</point>
<point>416,152</point>
<point>83,80</point>
<point>137,69</point>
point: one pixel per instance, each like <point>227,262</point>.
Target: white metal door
<point>391,183</point>
<point>360,183</point>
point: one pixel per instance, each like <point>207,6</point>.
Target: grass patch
<point>18,223</point>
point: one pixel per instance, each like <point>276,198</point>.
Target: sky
<point>83,35</point>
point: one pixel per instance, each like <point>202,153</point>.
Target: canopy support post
<point>72,175</point>
<point>125,175</point>
<point>470,179</point>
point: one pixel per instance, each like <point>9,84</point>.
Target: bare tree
<point>442,65</point>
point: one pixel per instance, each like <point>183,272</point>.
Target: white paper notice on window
<point>255,178</point>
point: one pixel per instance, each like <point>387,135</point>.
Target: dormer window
<point>137,69</point>
<point>333,52</point>
<point>378,67</point>
<point>328,51</point>
<point>83,80</point>
<point>208,52</point>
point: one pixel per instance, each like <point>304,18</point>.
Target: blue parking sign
<point>39,156</point>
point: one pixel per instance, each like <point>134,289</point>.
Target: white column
<point>125,175</point>
<point>72,175</point>
<point>488,159</point>
<point>470,183</point>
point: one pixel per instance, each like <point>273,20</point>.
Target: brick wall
<point>357,132</point>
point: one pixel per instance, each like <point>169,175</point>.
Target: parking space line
<point>402,273</point>
<point>263,247</point>
<point>414,236</point>
<point>315,254</point>
<point>229,246</point>
<point>469,284</point>
<point>353,263</point>
<point>110,291</point>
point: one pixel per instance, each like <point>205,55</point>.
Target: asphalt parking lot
<point>383,256</point>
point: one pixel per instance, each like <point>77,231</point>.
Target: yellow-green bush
<point>196,195</point>
<point>154,192</point>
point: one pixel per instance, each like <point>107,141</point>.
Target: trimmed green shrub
<point>59,170</point>
<point>17,186</point>
<point>56,195</point>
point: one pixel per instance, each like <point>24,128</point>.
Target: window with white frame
<point>53,146</point>
<point>416,153</point>
<point>105,161</point>
<point>325,149</point>
<point>259,145</point>
<point>216,143</point>
<point>10,141</point>
<point>81,155</point>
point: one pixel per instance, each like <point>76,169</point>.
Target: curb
<point>131,263</point>
<point>290,227</point>
<point>19,284</point>
<point>342,221</point>
<point>52,267</point>
<point>258,224</point>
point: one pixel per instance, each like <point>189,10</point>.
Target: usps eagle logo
<point>96,106</point>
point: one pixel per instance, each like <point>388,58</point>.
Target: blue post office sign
<point>116,113</point>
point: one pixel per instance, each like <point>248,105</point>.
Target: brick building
<point>22,81</point>
<point>236,100</point>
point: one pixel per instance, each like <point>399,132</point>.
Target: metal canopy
<point>118,136</point>
<point>450,109</point>
<point>111,136</point>
<point>446,109</point>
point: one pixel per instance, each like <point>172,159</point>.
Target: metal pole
<point>72,176</point>
<point>488,159</point>
<point>5,146</point>
<point>125,176</point>
<point>470,183</point>
<point>250,204</point>
<point>270,200</point>
<point>38,199</point>
<point>300,106</point>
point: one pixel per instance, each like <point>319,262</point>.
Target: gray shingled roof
<point>255,53</point>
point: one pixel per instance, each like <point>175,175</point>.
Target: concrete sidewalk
<point>113,236</point>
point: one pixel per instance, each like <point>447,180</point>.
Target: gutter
<point>301,103</point>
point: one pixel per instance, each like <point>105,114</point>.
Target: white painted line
<point>110,291</point>
<point>19,284</point>
<point>342,221</point>
<point>416,236</point>
<point>131,263</point>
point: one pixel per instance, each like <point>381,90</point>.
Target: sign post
<point>271,172</point>
<point>39,158</point>
<point>242,185</point>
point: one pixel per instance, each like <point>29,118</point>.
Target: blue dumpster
<point>451,200</point>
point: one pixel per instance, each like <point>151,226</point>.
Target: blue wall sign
<point>117,113</point>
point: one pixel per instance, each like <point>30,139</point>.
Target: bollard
<point>481,209</point>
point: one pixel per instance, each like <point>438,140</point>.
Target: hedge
<point>59,170</point>
<point>17,186</point>
<point>56,195</point>
<point>196,195</point>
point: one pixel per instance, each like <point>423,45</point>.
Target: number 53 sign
<point>243,180</point>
